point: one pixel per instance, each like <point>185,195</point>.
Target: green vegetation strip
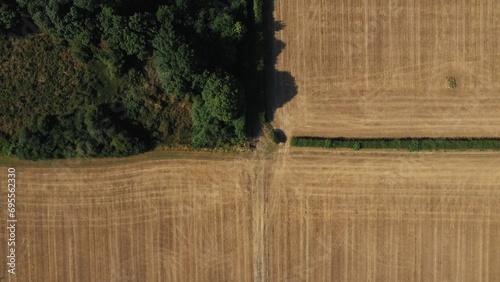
<point>410,144</point>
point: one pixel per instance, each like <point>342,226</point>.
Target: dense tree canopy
<point>177,67</point>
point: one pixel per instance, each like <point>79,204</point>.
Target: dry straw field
<point>177,220</point>
<point>384,216</point>
<point>379,68</point>
<point>300,215</point>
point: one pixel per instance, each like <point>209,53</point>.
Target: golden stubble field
<point>172,220</point>
<point>295,215</point>
<point>384,216</point>
<point>378,68</point>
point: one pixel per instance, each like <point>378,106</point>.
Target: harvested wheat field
<point>384,216</point>
<point>380,68</point>
<point>164,220</point>
<point>295,215</point>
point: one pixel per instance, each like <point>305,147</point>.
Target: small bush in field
<point>452,82</point>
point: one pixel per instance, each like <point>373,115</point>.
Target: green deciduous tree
<point>130,34</point>
<point>226,27</point>
<point>212,132</point>
<point>174,60</point>
<point>221,97</point>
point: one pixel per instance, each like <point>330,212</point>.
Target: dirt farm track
<point>302,215</point>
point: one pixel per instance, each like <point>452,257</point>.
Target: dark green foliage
<point>175,62</point>
<point>13,22</point>
<point>198,55</point>
<point>111,26</point>
<point>257,10</point>
<point>328,143</point>
<point>113,62</point>
<point>226,27</point>
<point>136,35</point>
<point>154,57</point>
<point>129,34</point>
<point>412,145</point>
<point>52,83</point>
<point>57,84</point>
<point>102,131</point>
<point>175,59</point>
<point>271,134</point>
<point>212,132</point>
<point>89,5</point>
<point>356,146</point>
<point>208,130</point>
<point>204,41</point>
<point>8,16</point>
<point>6,147</point>
<point>80,47</point>
<point>222,98</point>
<point>167,117</point>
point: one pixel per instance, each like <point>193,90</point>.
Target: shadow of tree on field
<point>280,85</point>
<point>279,25</point>
<point>280,135</point>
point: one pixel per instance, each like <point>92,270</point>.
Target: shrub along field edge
<point>410,144</point>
